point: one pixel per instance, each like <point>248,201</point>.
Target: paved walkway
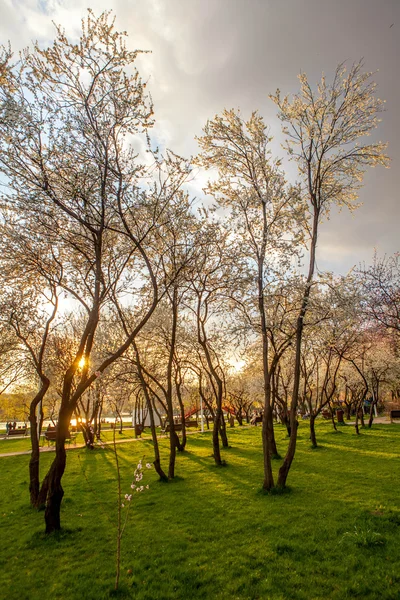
<point>78,446</point>
<point>377,420</point>
<point>73,447</point>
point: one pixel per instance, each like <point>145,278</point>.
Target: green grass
<point>212,534</point>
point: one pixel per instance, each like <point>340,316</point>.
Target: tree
<point>239,398</point>
<point>76,181</point>
<point>208,302</point>
<point>324,129</point>
<point>29,306</point>
<point>331,335</point>
<point>264,211</point>
<point>380,289</point>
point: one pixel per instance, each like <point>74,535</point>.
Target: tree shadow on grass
<point>40,539</point>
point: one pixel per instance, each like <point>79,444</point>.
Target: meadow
<point>212,533</point>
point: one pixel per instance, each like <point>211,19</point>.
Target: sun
<point>82,362</point>
<point>237,365</point>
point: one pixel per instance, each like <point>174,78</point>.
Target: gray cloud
<point>211,54</point>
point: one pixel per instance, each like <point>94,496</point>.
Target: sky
<point>207,55</point>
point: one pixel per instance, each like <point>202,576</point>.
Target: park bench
<point>51,435</point>
<point>256,420</point>
<point>178,426</point>
<point>12,432</point>
<point>394,414</point>
<point>326,414</point>
<point>167,428</point>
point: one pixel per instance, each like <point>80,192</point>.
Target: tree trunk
<point>271,437</point>
<point>55,491</point>
<point>223,434</point>
<point>285,420</point>
<point>269,446</point>
<point>215,438</point>
<point>202,339</point>
<point>88,435</point>
<point>98,425</point>
<point>34,462</point>
<point>313,437</point>
<point>285,468</point>
<point>43,492</point>
<point>157,460</point>
<point>357,415</point>
<point>373,404</point>
<point>34,476</point>
<point>173,437</point>
<point>182,444</point>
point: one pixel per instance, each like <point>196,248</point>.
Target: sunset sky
<point>213,54</point>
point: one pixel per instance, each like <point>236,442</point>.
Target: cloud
<point>210,54</point>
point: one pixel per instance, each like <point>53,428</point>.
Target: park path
<point>377,420</point>
<point>74,447</point>
<point>78,446</point>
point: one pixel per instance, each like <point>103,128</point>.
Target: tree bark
<point>202,339</point>
<point>269,446</point>
<point>55,490</point>
<point>178,383</point>
<point>223,434</point>
<point>157,459</point>
<point>215,438</point>
<point>34,462</point>
<point>373,404</point>
<point>287,462</point>
<point>313,437</point>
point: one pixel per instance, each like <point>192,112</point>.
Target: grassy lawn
<point>211,534</point>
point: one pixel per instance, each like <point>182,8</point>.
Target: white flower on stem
<point>148,465</point>
<point>122,505</point>
<point>133,486</point>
